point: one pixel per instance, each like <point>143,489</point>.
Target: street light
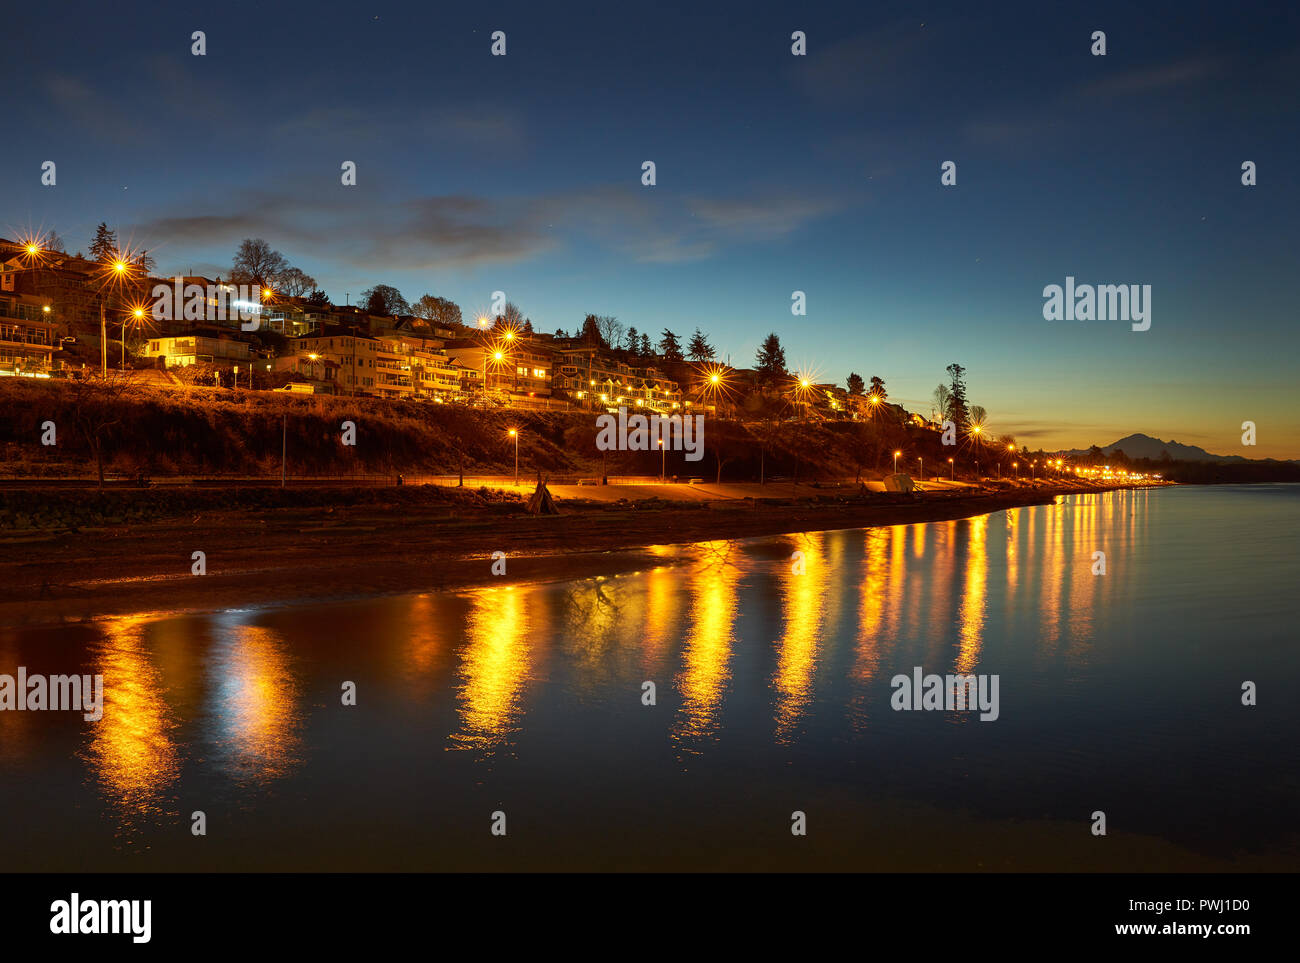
<point>663,460</point>
<point>896,454</point>
<point>953,468</point>
<point>138,314</point>
<point>921,460</point>
<point>515,435</point>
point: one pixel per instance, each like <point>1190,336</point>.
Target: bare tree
<point>942,401</point>
<point>611,329</point>
<point>295,282</point>
<point>256,263</point>
<point>97,404</point>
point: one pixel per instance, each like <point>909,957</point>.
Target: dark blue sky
<point>775,173</point>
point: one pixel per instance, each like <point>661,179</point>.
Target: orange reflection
<point>493,669</point>
<point>971,615</point>
<point>663,604</point>
<point>707,655</point>
<point>866,657</point>
<point>258,697</point>
<point>797,648</point>
<point>131,749</point>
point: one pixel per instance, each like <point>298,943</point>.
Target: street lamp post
<point>896,454</point>
<point>515,435</point>
<point>953,468</point>
<point>921,461</point>
<point>663,462</point>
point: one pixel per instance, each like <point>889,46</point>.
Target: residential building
<point>27,341</point>
<point>596,380</point>
<point>513,371</point>
<point>184,350</point>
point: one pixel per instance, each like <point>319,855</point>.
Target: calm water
<point>1118,693</point>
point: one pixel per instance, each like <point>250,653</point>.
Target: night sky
<point>775,173</point>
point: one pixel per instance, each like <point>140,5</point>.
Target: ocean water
<point>523,707</point>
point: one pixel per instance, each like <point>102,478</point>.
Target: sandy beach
<point>298,554</point>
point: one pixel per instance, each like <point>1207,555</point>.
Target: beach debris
<point>541,502</point>
<point>898,483</point>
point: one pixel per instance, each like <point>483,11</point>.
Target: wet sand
<point>292,555</point>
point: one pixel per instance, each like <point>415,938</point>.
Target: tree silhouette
<point>769,362</point>
<point>699,348</point>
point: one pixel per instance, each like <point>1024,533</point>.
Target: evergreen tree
<point>958,410</point>
<point>633,340</point>
<point>670,347</point>
<point>769,362</point>
<point>855,383</point>
<point>878,387</point>
<point>104,247</point>
<point>699,348</point>
<point>591,332</point>
<point>647,350</point>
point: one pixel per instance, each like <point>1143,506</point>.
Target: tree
<point>97,406</point>
<point>670,347</point>
<point>318,298</point>
<point>855,383</point>
<point>958,411</point>
<point>510,317</point>
<point>591,332</point>
<point>878,388</point>
<point>256,263</point>
<point>633,341</point>
<point>978,415</point>
<point>295,282</point>
<point>104,247</point>
<point>647,351</point>
<point>699,348</point>
<point>770,360</point>
<point>52,242</point>
<point>384,299</point>
<point>611,330</point>
<point>437,310</point>
<point>942,401</point>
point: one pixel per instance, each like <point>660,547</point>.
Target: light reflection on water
<point>772,673</point>
<point>132,750</point>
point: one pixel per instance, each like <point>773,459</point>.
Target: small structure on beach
<point>899,483</point>
<point>541,502</point>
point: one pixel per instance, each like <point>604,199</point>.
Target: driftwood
<point>541,502</point>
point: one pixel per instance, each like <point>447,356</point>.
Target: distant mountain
<point>1144,446</point>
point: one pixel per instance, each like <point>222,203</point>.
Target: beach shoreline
<point>287,556</point>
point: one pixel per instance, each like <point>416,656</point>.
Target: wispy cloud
<point>467,232</point>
